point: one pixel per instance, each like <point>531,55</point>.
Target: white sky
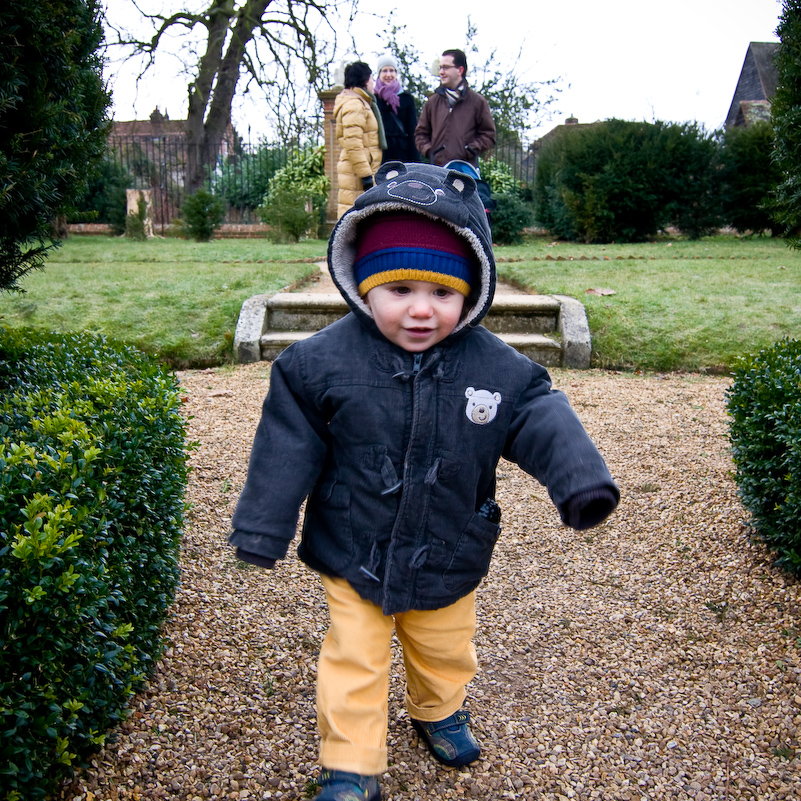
<point>632,59</point>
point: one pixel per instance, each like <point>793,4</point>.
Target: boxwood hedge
<point>93,471</point>
<point>764,402</point>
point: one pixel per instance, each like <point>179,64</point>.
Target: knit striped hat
<point>403,246</point>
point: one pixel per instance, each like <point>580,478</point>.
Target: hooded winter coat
<point>360,153</point>
<point>397,451</point>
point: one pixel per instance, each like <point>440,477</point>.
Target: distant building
<point>756,86</point>
<point>160,130</point>
<point>154,153</point>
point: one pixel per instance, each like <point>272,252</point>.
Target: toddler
<point>391,422</point>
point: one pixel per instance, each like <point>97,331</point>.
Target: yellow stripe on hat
<point>389,276</point>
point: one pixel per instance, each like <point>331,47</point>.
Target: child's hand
<point>589,508</point>
<point>254,559</point>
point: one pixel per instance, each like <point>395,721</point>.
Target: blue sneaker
<point>450,740</point>
<point>341,786</point>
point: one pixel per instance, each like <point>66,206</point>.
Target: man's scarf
<point>453,95</point>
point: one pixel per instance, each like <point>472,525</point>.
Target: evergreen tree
<point>786,115</point>
<point>53,122</point>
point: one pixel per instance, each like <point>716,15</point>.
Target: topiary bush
<point>93,472</point>
<point>764,402</point>
<point>289,214</point>
<point>202,214</point>
<point>510,216</point>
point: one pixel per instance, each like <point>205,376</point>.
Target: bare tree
<point>277,44</point>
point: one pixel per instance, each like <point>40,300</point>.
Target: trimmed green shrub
<point>289,215</point>
<point>509,217</point>
<point>304,177</point>
<point>688,170</point>
<point>764,402</point>
<point>93,471</point>
<point>202,214</point>
<point>748,176</point>
<point>619,181</point>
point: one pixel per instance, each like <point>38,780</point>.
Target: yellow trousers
<point>353,673</point>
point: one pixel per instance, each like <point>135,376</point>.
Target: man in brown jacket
<point>455,122</point>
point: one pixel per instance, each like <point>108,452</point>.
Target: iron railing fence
<point>161,164</point>
<point>519,158</point>
<point>241,177</point>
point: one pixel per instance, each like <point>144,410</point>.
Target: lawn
<point>676,305</point>
<point>667,305</point>
<point>177,299</point>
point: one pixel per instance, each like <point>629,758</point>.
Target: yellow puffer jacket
<point>360,154</point>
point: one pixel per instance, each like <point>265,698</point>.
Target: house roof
<point>757,82</point>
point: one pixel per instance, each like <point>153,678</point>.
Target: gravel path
<point>655,657</point>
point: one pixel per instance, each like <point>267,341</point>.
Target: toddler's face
<point>415,315</point>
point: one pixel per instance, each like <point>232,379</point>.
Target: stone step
<point>299,311</point>
<point>539,348</point>
<point>550,329</point>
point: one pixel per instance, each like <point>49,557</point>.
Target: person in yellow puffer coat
<point>357,129</point>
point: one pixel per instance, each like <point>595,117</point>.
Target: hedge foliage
<point>53,122</point>
<point>764,402</point>
<point>785,113</point>
<point>303,176</point>
<point>619,181</point>
<point>93,471</point>
<point>748,176</point>
<point>202,214</point>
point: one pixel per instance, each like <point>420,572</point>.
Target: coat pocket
<point>327,529</point>
<point>471,556</point>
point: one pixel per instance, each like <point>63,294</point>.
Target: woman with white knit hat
<point>397,113</point>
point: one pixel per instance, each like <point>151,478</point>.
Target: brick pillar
<point>327,97</point>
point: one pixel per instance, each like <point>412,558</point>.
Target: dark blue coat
<point>397,451</point>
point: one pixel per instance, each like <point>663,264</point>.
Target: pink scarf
<point>389,93</point>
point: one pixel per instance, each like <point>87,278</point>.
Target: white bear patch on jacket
<point>482,405</point>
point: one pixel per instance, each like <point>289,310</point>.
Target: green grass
<point>677,305</point>
<point>177,299</point>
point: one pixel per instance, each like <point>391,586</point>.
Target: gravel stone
<point>657,656</point>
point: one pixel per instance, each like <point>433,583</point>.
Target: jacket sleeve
<point>353,128</point>
<point>485,133</point>
<point>287,456</point>
<point>408,115</point>
<point>422,132</point>
<point>548,441</point>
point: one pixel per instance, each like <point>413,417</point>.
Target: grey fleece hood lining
<point>343,252</point>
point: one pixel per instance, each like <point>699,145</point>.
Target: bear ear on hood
<point>390,171</point>
<point>462,183</point>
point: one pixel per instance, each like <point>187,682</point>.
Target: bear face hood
<point>436,192</point>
